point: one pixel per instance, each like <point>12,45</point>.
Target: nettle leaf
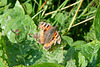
<point>20,53</point>
<point>98,57</point>
<point>25,53</point>
<point>47,65</point>
<point>89,51</point>
<point>3,63</point>
<point>82,61</point>
<point>16,25</point>
<point>51,57</point>
<point>71,63</point>
<point>68,39</point>
<point>70,54</point>
<point>97,23</point>
<point>90,35</point>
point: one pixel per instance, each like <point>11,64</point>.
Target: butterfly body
<point>48,35</point>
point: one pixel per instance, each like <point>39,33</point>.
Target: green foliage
<point>3,2</point>
<point>19,21</point>
<point>68,39</point>
<point>47,65</point>
<point>71,63</point>
<point>96,23</point>
<point>3,63</point>
<point>28,8</point>
<point>10,24</point>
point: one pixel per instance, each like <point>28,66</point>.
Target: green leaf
<point>28,8</point>
<point>79,42</point>
<point>60,18</point>
<point>51,57</point>
<point>24,53</point>
<point>14,19</point>
<point>3,63</point>
<point>19,66</point>
<point>89,51</point>
<point>90,35</point>
<point>82,61</point>
<point>98,65</point>
<point>97,23</point>
<point>47,65</point>
<point>70,54</point>
<point>98,57</point>
<point>17,4</point>
<point>1,52</point>
<point>4,9</point>
<point>71,63</point>
<point>68,39</point>
<point>3,2</point>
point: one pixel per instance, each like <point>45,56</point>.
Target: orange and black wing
<point>55,38</point>
<point>44,27</point>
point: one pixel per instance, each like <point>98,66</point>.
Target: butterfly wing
<point>55,38</point>
<point>44,27</point>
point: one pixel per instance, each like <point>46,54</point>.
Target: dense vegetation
<point>78,24</point>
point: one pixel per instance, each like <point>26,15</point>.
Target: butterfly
<point>48,35</point>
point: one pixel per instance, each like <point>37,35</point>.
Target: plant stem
<point>75,15</point>
<point>62,8</point>
<point>37,14</point>
<point>80,22</point>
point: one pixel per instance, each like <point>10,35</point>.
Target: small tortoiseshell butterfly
<point>48,35</point>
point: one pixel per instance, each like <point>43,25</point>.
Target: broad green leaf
<point>89,51</point>
<point>14,19</point>
<point>79,42</point>
<point>3,2</point>
<point>47,65</point>
<point>98,57</point>
<point>60,18</point>
<point>28,8</point>
<point>20,66</point>
<point>82,61</point>
<point>70,54</point>
<point>98,65</point>
<point>3,63</point>
<point>97,23</point>
<point>90,35</point>
<point>68,39</point>
<point>19,6</point>
<point>23,53</point>
<point>71,63</point>
<point>4,9</point>
<point>51,57</point>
